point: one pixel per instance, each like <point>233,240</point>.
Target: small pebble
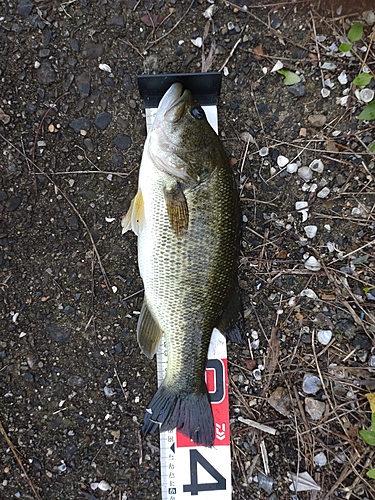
<point>324,336</point>
<point>302,207</point>
<point>282,161</point>
<point>59,333</point>
<point>265,482</point>
<point>311,384</point>
<point>80,124</point>
<point>317,166</point>
<point>310,231</point>
<point>83,83</point>
<point>263,151</point>
<point>342,78</point>
<point>197,42</point>
<point>4,117</point>
<point>323,193</point>
<point>13,203</point>
<point>366,95</point>
<point>298,89</point>
<point>292,168</point>
<point>312,264</point>
<point>123,141</point>
<point>320,459</point>
<point>305,173</point>
<point>92,50</point>
<point>314,408</point>
<point>45,73</point>
<point>325,92</point>
<point>102,120</point>
<point>369,17</point>
<point>317,120</point>
<point>329,65</point>
<point>105,67</point>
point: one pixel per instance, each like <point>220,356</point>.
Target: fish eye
<point>198,113</point>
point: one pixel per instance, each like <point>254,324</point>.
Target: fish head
<point>180,136</point>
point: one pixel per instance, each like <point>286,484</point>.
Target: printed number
<point>219,392</point>
<point>194,487</point>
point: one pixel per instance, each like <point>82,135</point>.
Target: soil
<point>73,383</point>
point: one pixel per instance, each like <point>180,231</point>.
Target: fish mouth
<point>171,98</point>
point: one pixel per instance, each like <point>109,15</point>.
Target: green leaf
<point>345,47</point>
<point>290,78</point>
<point>366,290</point>
<point>371,473</point>
<point>369,112</point>
<point>356,31</point>
<point>368,437</point>
<point>362,79</point>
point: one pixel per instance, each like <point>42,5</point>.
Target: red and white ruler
<point>192,470</point>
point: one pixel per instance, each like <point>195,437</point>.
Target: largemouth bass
<point>187,217</point>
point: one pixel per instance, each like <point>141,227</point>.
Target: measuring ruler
<point>190,470</point>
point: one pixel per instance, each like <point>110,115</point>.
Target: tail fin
<point>190,413</point>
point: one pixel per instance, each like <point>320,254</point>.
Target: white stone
<point>312,264</point>
<point>302,207</point>
<point>263,151</point>
<point>343,101</point>
<point>305,173</point>
<point>369,17</point>
<point>317,166</point>
<point>324,336</point>
<point>105,67</point>
<point>310,231</point>
<point>314,408</point>
<point>307,292</point>
<point>328,65</point>
<point>320,459</point>
<point>197,41</point>
<point>278,65</point>
<point>282,161</point>
<point>325,92</point>
<point>366,95</point>
<point>323,193</point>
<point>343,78</point>
<point>329,83</point>
<point>311,384</point>
<point>292,168</point>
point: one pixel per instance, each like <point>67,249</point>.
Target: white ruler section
<point>189,470</point>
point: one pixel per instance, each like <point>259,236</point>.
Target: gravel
<point>73,383</point>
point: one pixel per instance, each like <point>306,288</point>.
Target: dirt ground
<point>73,383</point>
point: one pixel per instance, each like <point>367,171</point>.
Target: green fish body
<point>187,218</point>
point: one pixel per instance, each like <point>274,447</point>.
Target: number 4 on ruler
<point>194,487</point>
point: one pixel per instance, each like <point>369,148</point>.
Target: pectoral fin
<point>134,218</point>
<point>149,333</point>
<point>178,210</point>
<point>230,322</point>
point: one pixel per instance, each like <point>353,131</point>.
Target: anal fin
<point>149,333</point>
<point>134,218</point>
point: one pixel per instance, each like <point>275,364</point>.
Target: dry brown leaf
<point>250,364</point>
<point>152,20</point>
<point>328,296</point>
<point>259,52</point>
<point>282,254</point>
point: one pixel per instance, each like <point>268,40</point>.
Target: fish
<point>186,214</point>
